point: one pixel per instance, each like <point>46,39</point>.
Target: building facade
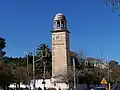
<point>96,63</point>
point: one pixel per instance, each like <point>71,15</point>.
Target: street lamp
<point>43,55</point>
<point>108,73</point>
<point>74,73</point>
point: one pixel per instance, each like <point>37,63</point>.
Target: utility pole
<point>44,63</point>
<point>74,73</point>
<point>27,65</point>
<point>34,70</point>
<point>28,71</point>
<point>26,55</point>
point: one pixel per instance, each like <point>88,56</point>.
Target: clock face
<point>58,37</point>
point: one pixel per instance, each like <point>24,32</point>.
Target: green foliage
<point>2,43</point>
<point>44,56</point>
<point>114,69</point>
<point>2,46</point>
<point>14,70</point>
<point>5,74</point>
<point>113,64</point>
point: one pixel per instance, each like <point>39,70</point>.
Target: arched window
<point>55,24</point>
<point>86,63</point>
<point>62,24</point>
<point>58,24</point>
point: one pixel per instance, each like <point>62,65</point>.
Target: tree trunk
<point>19,85</point>
<point>16,85</point>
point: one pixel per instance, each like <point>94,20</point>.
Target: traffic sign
<point>103,81</point>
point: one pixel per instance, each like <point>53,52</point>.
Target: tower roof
<point>59,16</point>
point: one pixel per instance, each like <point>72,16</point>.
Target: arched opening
<point>86,63</point>
<point>62,24</point>
<point>55,24</point>
<point>58,24</point>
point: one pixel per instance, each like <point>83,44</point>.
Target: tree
<point>115,4</point>
<point>44,54</point>
<point>18,68</point>
<point>114,71</point>
<point>90,75</point>
<point>87,73</point>
<point>114,75</point>
<point>28,74</point>
<point>5,75</point>
<point>65,78</point>
<point>113,64</point>
<point>2,46</point>
<point>79,60</point>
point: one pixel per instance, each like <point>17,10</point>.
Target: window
<point>55,24</point>
<point>62,24</point>
<point>58,24</point>
<point>86,62</point>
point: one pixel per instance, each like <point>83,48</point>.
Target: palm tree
<point>43,50</point>
<point>44,54</point>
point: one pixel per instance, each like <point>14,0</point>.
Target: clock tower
<point>60,47</point>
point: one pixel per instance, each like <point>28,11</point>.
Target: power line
<point>21,43</point>
<point>18,41</point>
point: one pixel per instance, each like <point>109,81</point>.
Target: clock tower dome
<point>60,47</point>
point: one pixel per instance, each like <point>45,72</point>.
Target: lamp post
<point>43,55</point>
<point>74,73</point>
<point>108,74</point>
<point>34,70</point>
<point>44,74</point>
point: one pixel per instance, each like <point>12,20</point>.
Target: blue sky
<point>27,23</point>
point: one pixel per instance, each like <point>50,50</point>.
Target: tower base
<point>59,84</point>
